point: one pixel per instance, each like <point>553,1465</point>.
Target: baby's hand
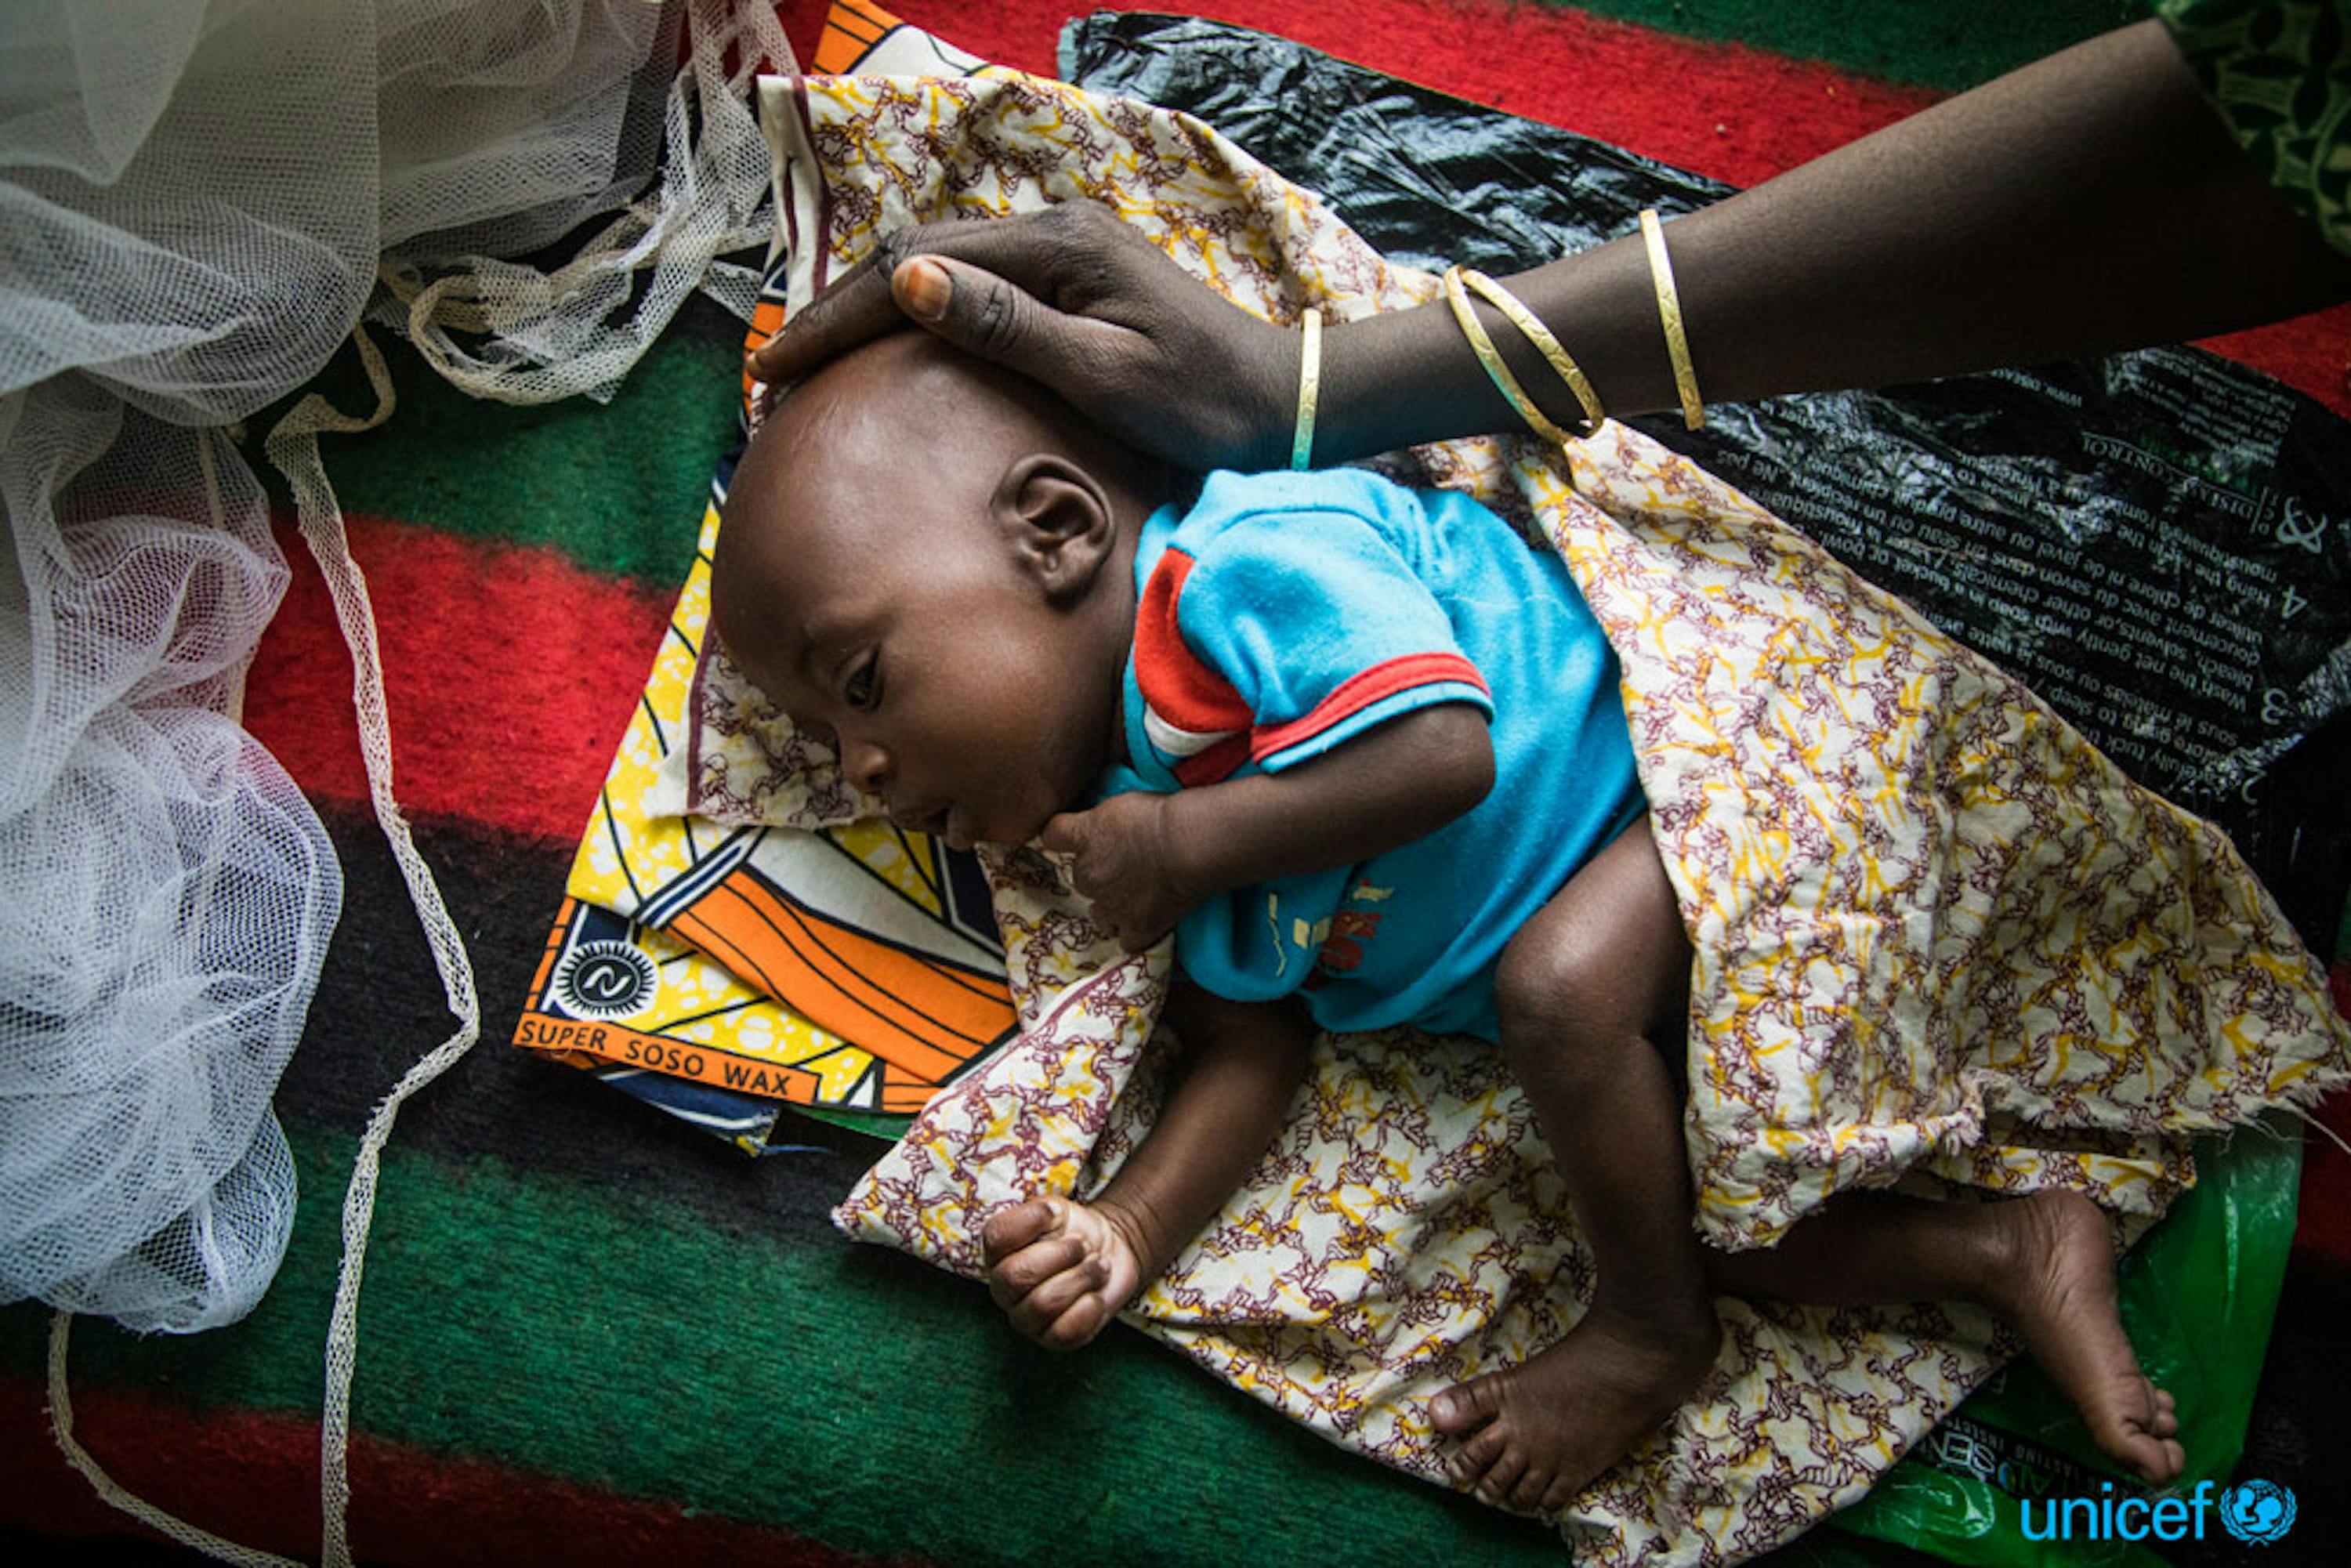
<point>1059,1270</point>
<point>1119,863</point>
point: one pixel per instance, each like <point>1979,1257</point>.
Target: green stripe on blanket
<point>847,1395</point>
<point>561,475</point>
<point>1930,43</point>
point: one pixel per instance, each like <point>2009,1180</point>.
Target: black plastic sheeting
<point>2158,543</point>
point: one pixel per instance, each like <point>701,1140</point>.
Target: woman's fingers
<point>1019,1276</point>
<point>1003,323</point>
<point>1082,303</point>
<point>854,310</point>
<point>1036,253</point>
<point>1085,1318</point>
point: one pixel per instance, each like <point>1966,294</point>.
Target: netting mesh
<point>196,202</point>
<point>165,892</point>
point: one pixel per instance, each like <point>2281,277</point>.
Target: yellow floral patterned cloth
<point>1940,938</point>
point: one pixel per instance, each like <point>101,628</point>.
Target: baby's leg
<point>1584,987</point>
<point>2045,1263</point>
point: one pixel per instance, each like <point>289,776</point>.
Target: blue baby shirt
<point>1285,613</point>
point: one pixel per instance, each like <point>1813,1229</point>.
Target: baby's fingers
<point>1086,1317</point>
<point>1055,1314</point>
<point>1064,834</point>
<point>1008,1230</point>
<point>1010,1281</point>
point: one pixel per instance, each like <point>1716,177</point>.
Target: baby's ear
<point>1057,520</point>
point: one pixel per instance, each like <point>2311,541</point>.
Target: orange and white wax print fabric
<point>765,945</point>
<point>1940,938</point>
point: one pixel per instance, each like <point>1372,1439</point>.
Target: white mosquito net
<point>197,204</point>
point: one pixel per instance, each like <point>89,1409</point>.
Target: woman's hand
<point>1074,298</point>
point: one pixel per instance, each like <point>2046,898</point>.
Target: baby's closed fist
<point>1060,1269</point>
<point>1119,863</point>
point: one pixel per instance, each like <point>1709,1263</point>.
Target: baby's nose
<point>866,765</point>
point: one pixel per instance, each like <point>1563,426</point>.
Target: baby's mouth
<point>953,827</point>
<point>941,822</point>
<point>933,822</point>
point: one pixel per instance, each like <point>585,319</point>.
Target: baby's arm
<point>1146,859</point>
<point>1062,1269</point>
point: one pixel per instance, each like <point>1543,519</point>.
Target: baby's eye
<point>862,690</point>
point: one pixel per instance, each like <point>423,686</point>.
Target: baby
<point>1362,749</point>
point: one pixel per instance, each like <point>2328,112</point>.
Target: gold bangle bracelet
<point>1309,388</point>
<point>1458,297</point>
<point>1669,311</point>
<point>1531,326</point>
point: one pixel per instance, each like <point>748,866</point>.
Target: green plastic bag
<point>2197,1295</point>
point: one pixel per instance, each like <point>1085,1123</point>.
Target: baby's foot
<point>1537,1435</point>
<point>2056,1285</point>
<point>1061,1270</point>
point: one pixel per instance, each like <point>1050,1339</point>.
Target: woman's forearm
<point>2087,202</point>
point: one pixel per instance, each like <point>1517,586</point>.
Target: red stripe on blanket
<point>253,1477</point>
<point>2324,1227</point>
<point>2312,354</point>
<point>1738,114</point>
<point>507,715</point>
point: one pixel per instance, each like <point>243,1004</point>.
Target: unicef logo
<point>2257,1511</point>
<point>606,980</point>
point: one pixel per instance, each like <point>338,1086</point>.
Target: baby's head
<point>928,563</point>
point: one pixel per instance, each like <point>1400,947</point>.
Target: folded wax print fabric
<point>1941,939</point>
<point>719,964</point>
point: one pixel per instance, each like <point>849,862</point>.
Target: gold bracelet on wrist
<point>1310,389</point>
<point>1670,312</point>
<point>1457,295</point>
<point>1531,326</point>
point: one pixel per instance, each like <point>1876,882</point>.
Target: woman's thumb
<point>978,311</point>
<point>923,288</point>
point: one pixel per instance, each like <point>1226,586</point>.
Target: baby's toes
<point>2174,1462</point>
<point>1500,1476</point>
<point>1533,1486</point>
<point>1480,1456</point>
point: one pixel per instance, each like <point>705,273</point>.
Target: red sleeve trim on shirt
<point>1215,765</point>
<point>1361,690</point>
<point>1179,686</point>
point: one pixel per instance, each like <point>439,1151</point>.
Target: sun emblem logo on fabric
<point>605,980</point>
<point>2257,1513</point>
